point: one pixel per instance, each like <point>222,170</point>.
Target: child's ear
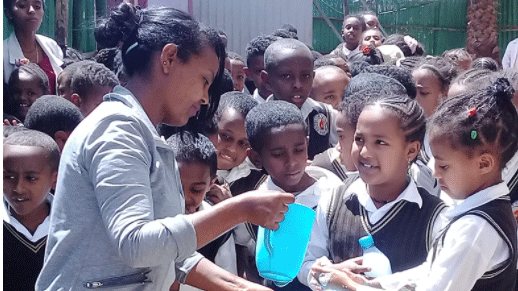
<point>61,138</point>
<point>76,100</point>
<point>54,179</point>
<point>486,163</point>
<point>255,158</point>
<point>247,71</point>
<point>413,150</point>
<point>266,80</point>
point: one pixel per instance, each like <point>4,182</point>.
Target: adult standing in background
<point>118,220</point>
<point>25,45</point>
<point>510,59</point>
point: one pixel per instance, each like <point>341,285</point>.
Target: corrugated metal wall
<point>81,22</point>
<point>243,20</point>
<point>438,24</point>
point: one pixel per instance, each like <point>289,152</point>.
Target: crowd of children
<point>420,152</point>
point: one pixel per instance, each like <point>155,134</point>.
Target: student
<point>289,74</point>
<point>118,208</point>
<point>237,65</point>
<point>432,79</point>
<point>485,63</point>
<point>255,65</point>
<point>385,202</point>
<point>277,135</point>
<point>197,161</point>
<point>352,30</point>
<point>371,19</point>
<point>472,135</point>
<point>31,161</point>
<point>329,85</point>
<point>54,116</point>
<point>26,84</point>
<point>469,79</point>
<point>374,38</point>
<point>459,57</point>
<point>64,78</point>
<point>401,75</point>
<point>89,83</point>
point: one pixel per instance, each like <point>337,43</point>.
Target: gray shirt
<point>117,212</point>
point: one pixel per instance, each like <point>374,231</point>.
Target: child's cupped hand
<point>218,193</point>
<point>347,274</point>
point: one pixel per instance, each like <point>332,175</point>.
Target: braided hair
<point>482,119</point>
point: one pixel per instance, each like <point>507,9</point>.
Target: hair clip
<point>131,47</point>
<point>472,112</point>
<point>474,134</point>
<point>365,49</point>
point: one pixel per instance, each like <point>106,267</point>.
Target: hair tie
<point>472,112</point>
<point>501,89</point>
<point>474,134</point>
<point>131,47</point>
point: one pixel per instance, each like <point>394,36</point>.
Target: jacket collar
<point>125,96</point>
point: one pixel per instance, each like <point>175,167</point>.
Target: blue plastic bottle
<point>374,258</point>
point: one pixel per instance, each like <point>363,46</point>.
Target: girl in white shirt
<point>472,137</point>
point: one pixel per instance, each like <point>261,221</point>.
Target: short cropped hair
<point>270,60</point>
<point>257,47</point>
<point>239,101</point>
<point>270,115</point>
<point>34,138</point>
<point>89,75</point>
<point>51,113</point>
<point>235,56</point>
<point>194,148</point>
<point>33,70</point>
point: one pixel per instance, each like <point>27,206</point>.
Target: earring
<point>165,63</point>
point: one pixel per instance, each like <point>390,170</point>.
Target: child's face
<point>292,78</point>
<point>380,152</point>
<point>454,170</point>
<point>232,140</point>
<point>238,75</point>
<point>352,31</point>
<point>371,21</point>
<point>429,90</point>
<point>372,37</point>
<point>28,179</point>
<point>254,72</point>
<point>63,88</point>
<point>26,90</point>
<point>329,85</point>
<point>345,141</point>
<point>284,155</point>
<point>196,182</point>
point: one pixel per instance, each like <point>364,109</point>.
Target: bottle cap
<point>366,241</point>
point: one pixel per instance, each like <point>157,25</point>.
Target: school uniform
<point>13,53</point>
<point>23,251</point>
<point>257,97</point>
<point>221,251</point>
<point>510,177</point>
<point>475,251</point>
<point>320,119</point>
<point>402,229</point>
<point>341,51</point>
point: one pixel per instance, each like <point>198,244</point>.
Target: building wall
<point>243,20</point>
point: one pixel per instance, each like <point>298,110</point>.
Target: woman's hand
<point>266,208</point>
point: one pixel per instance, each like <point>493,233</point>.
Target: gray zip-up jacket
<point>116,219</point>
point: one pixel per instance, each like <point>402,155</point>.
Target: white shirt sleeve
<point>318,242</point>
<point>471,248</point>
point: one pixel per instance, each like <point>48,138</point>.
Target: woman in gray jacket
<point>117,220</point>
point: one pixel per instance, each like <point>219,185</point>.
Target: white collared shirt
<point>309,197</point>
<point>306,109</point>
<point>42,230</point>
<point>243,170</point>
<point>319,241</point>
<point>257,97</point>
<point>471,247</point>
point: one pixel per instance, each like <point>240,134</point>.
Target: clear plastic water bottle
<point>374,258</point>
